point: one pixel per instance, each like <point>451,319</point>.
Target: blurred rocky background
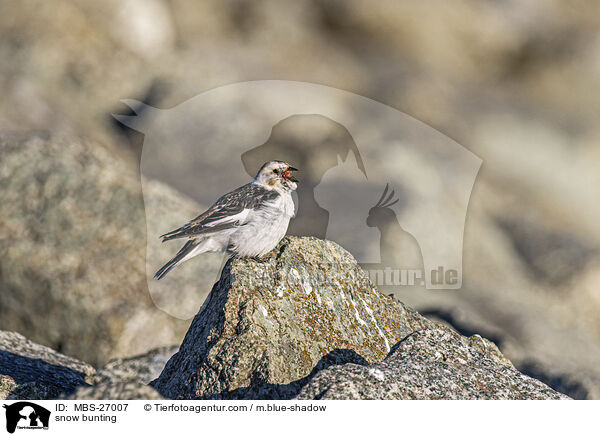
<point>514,82</point>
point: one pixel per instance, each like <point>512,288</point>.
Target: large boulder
<point>269,326</point>
<point>35,372</point>
<point>73,249</point>
<point>430,364</point>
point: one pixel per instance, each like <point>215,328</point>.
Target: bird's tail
<point>183,254</point>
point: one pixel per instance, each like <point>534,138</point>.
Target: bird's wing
<point>231,210</point>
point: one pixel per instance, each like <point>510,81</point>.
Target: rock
<point>116,391</point>
<point>429,364</point>
<point>139,369</point>
<point>73,249</point>
<point>35,372</point>
<point>268,326</point>
<point>29,371</point>
<point>7,386</point>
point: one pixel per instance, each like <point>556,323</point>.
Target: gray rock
<point>429,364</point>
<point>73,249</point>
<point>35,372</point>
<point>268,326</point>
<point>138,369</point>
<point>116,391</point>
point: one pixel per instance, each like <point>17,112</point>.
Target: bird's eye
<point>276,171</point>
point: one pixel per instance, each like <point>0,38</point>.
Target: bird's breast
<point>282,205</point>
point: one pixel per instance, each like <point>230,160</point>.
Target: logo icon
<point>26,415</point>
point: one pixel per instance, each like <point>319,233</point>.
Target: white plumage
<point>247,222</point>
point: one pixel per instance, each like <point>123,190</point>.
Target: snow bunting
<point>247,222</point>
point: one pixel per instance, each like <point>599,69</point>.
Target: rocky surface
<point>116,391</point>
<point>269,326</point>
<point>73,249</point>
<point>138,369</point>
<point>431,364</point>
<point>35,372</point>
<point>29,371</point>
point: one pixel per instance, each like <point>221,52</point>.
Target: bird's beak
<point>288,174</point>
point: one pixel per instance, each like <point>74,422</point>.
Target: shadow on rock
<point>37,379</point>
<point>261,389</point>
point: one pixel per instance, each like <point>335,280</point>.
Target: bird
<point>246,222</point>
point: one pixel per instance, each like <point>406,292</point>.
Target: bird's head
<point>277,175</point>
